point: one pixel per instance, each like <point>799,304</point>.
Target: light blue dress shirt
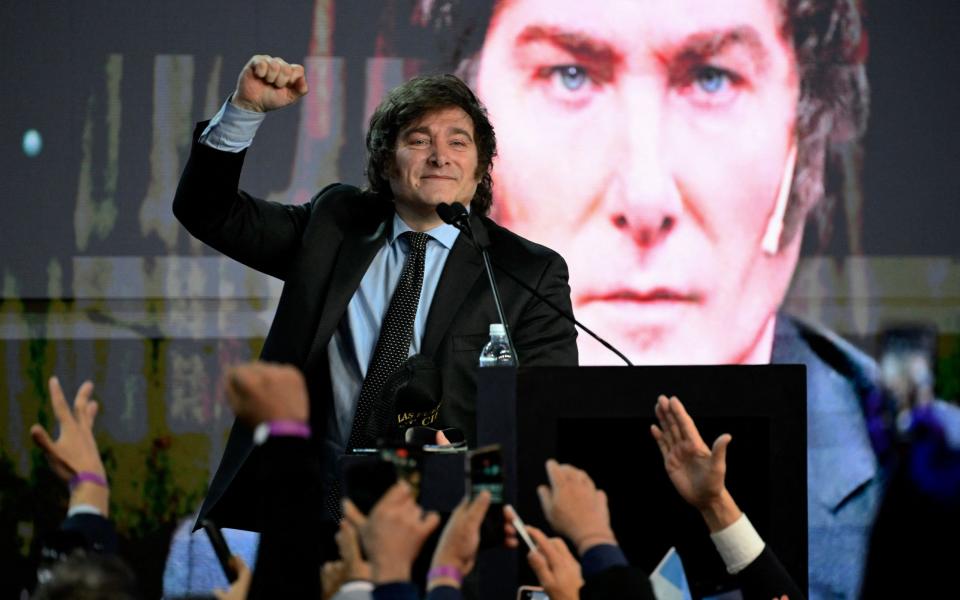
<point>351,348</point>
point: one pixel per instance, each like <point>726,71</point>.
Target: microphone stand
<point>496,298</point>
<point>457,216</point>
<point>563,314</point>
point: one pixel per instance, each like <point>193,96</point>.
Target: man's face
<point>645,140</point>
<point>435,161</point>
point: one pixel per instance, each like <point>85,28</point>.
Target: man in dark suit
<point>342,254</point>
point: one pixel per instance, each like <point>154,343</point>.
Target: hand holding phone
<point>531,592</point>
<point>519,525</point>
<point>485,473</point>
<point>367,478</point>
<point>220,548</point>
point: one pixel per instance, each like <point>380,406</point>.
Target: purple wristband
<point>89,477</point>
<point>445,571</point>
<point>280,429</point>
<point>289,429</point>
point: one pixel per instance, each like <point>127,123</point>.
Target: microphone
<point>410,396</point>
<point>456,217</point>
<point>413,394</point>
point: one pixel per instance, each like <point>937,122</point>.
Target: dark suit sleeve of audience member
<point>766,578</point>
<point>607,574</point>
<point>396,591</point>
<point>543,337</point>
<point>288,558</point>
<point>260,234</point>
<point>445,592</point>
<point>617,582</point>
<point>93,532</point>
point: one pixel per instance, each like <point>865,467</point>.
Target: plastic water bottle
<point>497,351</point>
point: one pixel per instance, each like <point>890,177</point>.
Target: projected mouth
<point>651,296</point>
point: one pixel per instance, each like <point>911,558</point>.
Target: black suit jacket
<point>762,579</point>
<point>321,251</point>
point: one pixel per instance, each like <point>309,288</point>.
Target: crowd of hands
<point>381,547</point>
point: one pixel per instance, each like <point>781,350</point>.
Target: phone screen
<point>367,478</point>
<point>532,594</point>
<point>485,472</point>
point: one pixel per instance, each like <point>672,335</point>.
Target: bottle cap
<point>497,329</point>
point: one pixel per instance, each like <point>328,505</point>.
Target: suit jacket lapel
<point>460,272</point>
<point>840,457</point>
<point>356,253</point>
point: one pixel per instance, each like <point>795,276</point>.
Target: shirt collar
<point>445,234</point>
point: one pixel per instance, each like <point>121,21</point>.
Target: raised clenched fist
<point>267,83</point>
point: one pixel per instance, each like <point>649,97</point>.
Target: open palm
<point>696,471</point>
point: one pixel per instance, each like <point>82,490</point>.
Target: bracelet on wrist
<point>89,477</point>
<point>271,429</point>
<point>445,571</point>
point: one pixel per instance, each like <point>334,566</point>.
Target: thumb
<point>546,502</point>
<point>42,438</point>
<point>720,449</point>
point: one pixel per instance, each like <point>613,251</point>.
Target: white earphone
<point>771,237</point>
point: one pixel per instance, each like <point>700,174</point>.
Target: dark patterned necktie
<point>372,418</point>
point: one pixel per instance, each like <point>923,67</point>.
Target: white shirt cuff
<point>739,544</point>
<point>232,128</point>
<point>83,509</point>
<point>357,585</point>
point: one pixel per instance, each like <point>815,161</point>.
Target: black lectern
<point>598,418</point>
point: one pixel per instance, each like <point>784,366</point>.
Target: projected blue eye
<point>712,80</point>
<point>571,76</point>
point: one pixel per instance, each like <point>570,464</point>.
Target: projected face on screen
<point>647,143</point>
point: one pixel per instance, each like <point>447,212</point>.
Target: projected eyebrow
<point>700,47</point>
<point>583,48</point>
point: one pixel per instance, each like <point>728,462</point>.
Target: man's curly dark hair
<point>409,102</point>
<point>830,46</point>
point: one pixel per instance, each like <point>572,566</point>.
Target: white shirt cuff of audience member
<point>352,590</point>
<point>84,509</point>
<point>739,544</point>
<point>232,129</point>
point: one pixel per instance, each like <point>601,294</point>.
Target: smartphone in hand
<point>367,478</point>
<point>519,525</point>
<point>485,473</point>
<point>531,592</point>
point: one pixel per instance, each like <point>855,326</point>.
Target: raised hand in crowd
<point>393,533</point>
<point>74,456</point>
<point>698,473</point>
<point>575,508</point>
<point>456,552</point>
<point>260,392</point>
<point>556,568</point>
<point>696,470</point>
<point>267,83</point>
<point>351,566</point>
<point>275,396</point>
